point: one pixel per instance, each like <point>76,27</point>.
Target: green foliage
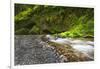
<point>34,30</point>
<point>44,19</point>
<point>22,31</point>
<point>84,28</point>
<point>23,15</point>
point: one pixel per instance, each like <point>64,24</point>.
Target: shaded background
<point>44,19</point>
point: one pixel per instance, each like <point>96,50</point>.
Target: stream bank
<point>32,49</point>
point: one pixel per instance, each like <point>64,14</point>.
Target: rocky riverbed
<point>32,49</point>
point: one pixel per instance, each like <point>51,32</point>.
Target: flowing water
<point>84,45</point>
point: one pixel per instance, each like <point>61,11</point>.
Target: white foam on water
<point>87,49</point>
<point>61,41</point>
